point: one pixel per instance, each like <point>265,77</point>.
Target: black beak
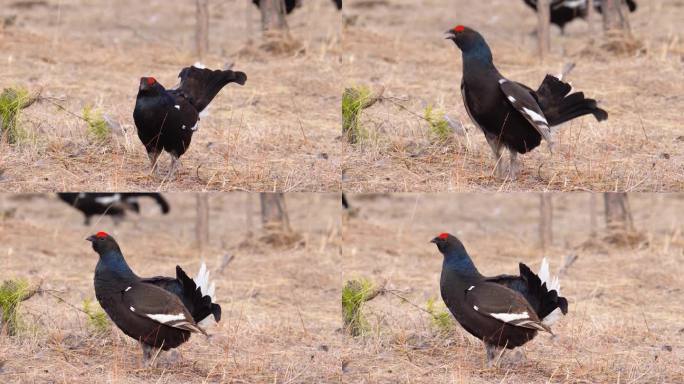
<point>435,240</point>
<point>449,35</point>
<point>91,238</point>
<point>143,84</point>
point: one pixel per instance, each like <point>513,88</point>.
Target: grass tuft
<point>439,127</point>
<point>97,318</point>
<point>97,126</point>
<point>354,294</point>
<point>12,100</point>
<point>12,293</point>
<point>354,100</point>
<point>441,318</point>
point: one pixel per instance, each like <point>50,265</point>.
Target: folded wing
<point>159,305</point>
<point>503,304</point>
<point>522,100</point>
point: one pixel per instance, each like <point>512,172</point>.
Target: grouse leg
<point>515,165</point>
<point>518,356</point>
<point>153,156</point>
<point>173,357</point>
<point>496,151</point>
<point>150,354</point>
<point>147,353</point>
<point>175,164</point>
<point>493,354</point>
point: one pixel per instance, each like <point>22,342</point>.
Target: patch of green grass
<point>12,293</point>
<point>12,100</point>
<point>97,318</point>
<point>439,127</point>
<point>354,294</point>
<point>354,100</point>
<point>441,318</point>
<point>97,126</point>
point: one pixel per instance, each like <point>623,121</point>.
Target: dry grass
<point>625,323</point>
<point>280,306</point>
<point>399,45</point>
<point>275,133</point>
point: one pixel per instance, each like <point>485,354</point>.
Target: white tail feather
<point>545,277</point>
<point>207,288</point>
<point>202,281</point>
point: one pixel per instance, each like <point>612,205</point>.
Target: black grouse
<point>504,311</point>
<point>564,11</point>
<point>290,5</point>
<point>511,114</point>
<point>110,204</point>
<point>160,312</point>
<point>166,119</point>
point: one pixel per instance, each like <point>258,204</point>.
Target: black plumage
<point>503,311</point>
<point>345,203</point>
<point>110,204</point>
<point>564,11</point>
<point>290,5</point>
<point>199,305</point>
<point>159,312</point>
<point>167,118</point>
<point>510,114</point>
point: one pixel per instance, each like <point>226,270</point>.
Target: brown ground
<point>280,306</point>
<point>399,45</point>
<point>275,133</point>
<point>625,322</point>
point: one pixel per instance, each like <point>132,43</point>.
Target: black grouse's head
<point>449,245</point>
<point>467,39</point>
<point>456,257</point>
<point>148,84</point>
<point>103,243</point>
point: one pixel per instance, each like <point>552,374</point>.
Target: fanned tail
<point>560,107</point>
<point>201,85</point>
<point>199,292</point>
<point>547,290</point>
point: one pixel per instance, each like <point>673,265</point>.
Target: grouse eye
<point>459,28</point>
<point>150,80</point>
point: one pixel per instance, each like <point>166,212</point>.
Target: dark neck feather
<point>456,259</point>
<point>113,268</point>
<point>462,266</point>
<point>479,55</point>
